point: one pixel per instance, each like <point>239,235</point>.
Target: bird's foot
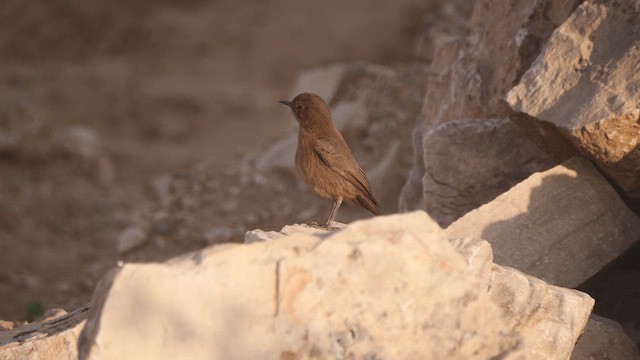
<point>326,227</point>
<point>317,226</point>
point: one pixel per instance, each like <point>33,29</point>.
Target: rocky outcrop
<point>447,22</point>
<point>470,162</point>
<point>399,286</point>
<point>582,94</point>
<point>562,225</point>
<point>468,80</point>
<point>53,338</point>
<point>390,287</point>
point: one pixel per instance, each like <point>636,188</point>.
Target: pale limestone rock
<point>549,318</point>
<point>8,325</point>
<point>321,81</point>
<point>468,80</point>
<point>280,155</point>
<point>261,235</point>
<point>131,238</point>
<point>582,94</point>
<point>390,287</point>
<point>55,338</point>
<point>521,297</point>
<point>562,225</point>
<point>604,339</point>
<point>80,141</point>
<point>478,255</point>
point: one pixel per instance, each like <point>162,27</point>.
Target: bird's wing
<point>336,155</point>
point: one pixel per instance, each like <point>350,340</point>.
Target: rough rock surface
<point>468,80</point>
<point>261,235</point>
<point>389,287</point>
<point>446,23</point>
<point>470,162</point>
<point>55,338</point>
<point>583,91</point>
<point>562,225</point>
<point>604,339</point>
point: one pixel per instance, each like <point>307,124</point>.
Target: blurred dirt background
<point>134,117</point>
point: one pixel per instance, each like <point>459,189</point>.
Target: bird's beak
<point>288,103</point>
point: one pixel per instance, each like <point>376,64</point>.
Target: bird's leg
<point>332,214</point>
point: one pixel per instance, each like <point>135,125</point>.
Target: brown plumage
<point>323,158</point>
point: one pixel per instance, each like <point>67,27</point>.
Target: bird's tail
<point>368,203</point>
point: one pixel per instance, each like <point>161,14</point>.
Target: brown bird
<point>324,160</point>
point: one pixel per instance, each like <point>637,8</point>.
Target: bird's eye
<point>299,107</point>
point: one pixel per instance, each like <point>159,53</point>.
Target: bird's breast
<point>314,172</point>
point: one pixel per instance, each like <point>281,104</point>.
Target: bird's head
<point>309,109</point>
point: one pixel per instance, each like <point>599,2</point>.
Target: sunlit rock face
<point>389,287</point>
<point>562,225</point>
<point>582,94</point>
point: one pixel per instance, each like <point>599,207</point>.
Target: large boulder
<point>582,94</point>
<point>391,287</point>
<point>470,162</point>
<point>468,80</point>
<point>562,225</point>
